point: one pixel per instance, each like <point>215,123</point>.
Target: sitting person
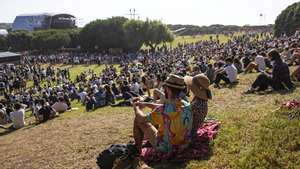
<point>100,97</point>
<point>279,79</point>
<point>259,64</point>
<point>228,74</point>
<point>110,96</point>
<point>3,115</point>
<point>173,118</point>
<point>60,106</point>
<point>90,102</point>
<point>18,116</point>
<point>116,91</point>
<point>199,85</point>
<point>296,74</point>
<point>45,112</point>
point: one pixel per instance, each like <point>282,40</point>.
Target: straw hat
<point>199,85</point>
<point>175,81</point>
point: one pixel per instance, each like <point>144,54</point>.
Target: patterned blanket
<point>198,149</point>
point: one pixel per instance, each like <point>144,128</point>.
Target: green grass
<point>192,39</point>
<point>252,135</point>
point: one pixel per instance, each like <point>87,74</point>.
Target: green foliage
<point>129,35</point>
<point>156,33</point>
<point>50,40</point>
<point>104,34</point>
<point>3,43</point>
<point>288,21</point>
<point>74,37</point>
<point>134,34</point>
<point>19,40</point>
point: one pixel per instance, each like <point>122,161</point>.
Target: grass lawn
<point>252,134</point>
<point>193,39</point>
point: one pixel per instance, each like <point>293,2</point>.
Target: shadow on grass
<point>173,164</point>
<point>6,132</point>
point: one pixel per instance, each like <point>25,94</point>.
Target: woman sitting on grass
<point>199,85</point>
<point>279,79</point>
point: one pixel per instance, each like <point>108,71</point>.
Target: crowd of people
<point>54,89</point>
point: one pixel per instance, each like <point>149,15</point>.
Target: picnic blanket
<point>291,104</point>
<point>198,149</point>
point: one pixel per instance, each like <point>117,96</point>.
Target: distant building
<point>31,22</point>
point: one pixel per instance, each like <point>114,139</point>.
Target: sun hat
<point>175,81</point>
<point>199,85</point>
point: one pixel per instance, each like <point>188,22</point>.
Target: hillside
<point>252,134</point>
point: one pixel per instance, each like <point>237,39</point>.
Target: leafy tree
<point>74,37</point>
<point>105,34</point>
<point>134,34</point>
<point>155,33</point>
<point>50,39</point>
<point>3,43</point>
<point>288,21</point>
<point>19,40</point>
<point>119,32</point>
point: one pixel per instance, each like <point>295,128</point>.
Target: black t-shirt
<point>45,111</point>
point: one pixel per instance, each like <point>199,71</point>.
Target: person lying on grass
<point>173,118</point>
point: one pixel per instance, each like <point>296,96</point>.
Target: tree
<point>288,21</point>
<point>19,40</point>
<point>3,43</point>
<point>134,34</point>
<point>50,40</point>
<point>155,33</point>
<point>105,34</point>
<point>119,32</point>
<point>74,37</point>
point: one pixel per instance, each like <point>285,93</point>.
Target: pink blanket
<point>198,149</point>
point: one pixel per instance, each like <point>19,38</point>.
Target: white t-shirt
<point>82,96</point>
<point>260,61</point>
<point>60,107</point>
<point>135,87</point>
<point>18,118</point>
<point>231,72</point>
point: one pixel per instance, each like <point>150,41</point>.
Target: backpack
<point>117,156</point>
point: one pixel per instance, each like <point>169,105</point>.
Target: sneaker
<point>250,91</point>
<point>140,164</point>
<point>122,164</point>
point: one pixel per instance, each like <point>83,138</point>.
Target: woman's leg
<point>144,130</point>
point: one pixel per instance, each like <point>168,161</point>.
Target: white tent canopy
<point>3,32</point>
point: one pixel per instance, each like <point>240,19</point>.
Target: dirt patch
<point>68,143</point>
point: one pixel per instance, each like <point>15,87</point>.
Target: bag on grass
<point>117,156</point>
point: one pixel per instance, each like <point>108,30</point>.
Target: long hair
<point>274,55</point>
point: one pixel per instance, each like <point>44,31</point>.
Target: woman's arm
<point>149,105</point>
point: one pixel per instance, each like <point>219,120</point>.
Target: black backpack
<point>117,156</point>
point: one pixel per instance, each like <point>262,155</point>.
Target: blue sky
<point>196,12</point>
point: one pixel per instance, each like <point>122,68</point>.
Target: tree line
<point>102,34</point>
<point>191,30</point>
<point>288,21</point>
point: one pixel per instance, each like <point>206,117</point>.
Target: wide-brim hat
<point>199,85</point>
<point>175,81</point>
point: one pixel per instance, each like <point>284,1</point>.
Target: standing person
<point>18,116</point>
<point>173,118</point>
<point>199,86</point>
